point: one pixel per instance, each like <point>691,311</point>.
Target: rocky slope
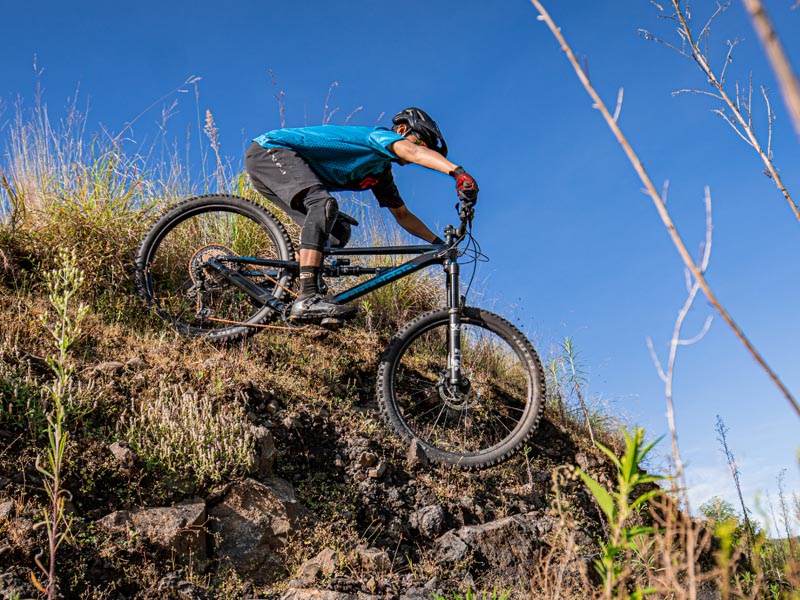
<point>331,505</point>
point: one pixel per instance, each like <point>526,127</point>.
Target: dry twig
<point>692,287</point>
<point>790,88</point>
<point>740,116</point>
<point>660,206</point>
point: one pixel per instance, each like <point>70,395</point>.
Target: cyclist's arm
<point>411,223</point>
<point>409,152</point>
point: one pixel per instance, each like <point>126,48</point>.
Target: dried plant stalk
<point>660,206</point>
<point>790,88</point>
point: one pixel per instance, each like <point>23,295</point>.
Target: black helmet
<point>423,127</point>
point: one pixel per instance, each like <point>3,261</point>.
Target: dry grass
<point>184,405</point>
<point>187,434</point>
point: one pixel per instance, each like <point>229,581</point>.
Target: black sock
<point>308,281</point>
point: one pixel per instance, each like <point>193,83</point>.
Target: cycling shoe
<point>316,307</point>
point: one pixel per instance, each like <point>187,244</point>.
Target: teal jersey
<point>344,157</point>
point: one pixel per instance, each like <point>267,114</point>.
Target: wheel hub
<point>457,397</point>
<point>199,270</point>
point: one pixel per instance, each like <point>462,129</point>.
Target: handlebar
<point>466,212</point>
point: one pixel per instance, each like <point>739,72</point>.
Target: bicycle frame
<point>428,255</point>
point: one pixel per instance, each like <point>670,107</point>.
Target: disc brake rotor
<point>465,398</point>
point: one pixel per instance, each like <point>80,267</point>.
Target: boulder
<point>251,522</point>
<point>509,544</point>
<point>429,521</point>
<point>177,529</point>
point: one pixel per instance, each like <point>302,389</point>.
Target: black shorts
<point>283,176</point>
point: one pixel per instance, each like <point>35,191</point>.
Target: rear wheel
<point>172,271</point>
<point>482,421</point>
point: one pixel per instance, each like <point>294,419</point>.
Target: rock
<point>429,521</point>
<point>110,367</point>
<point>292,422</point>
<point>136,364</point>
<point>416,593</point>
<point>177,529</point>
<point>15,583</point>
<point>264,452</point>
<point>5,509</point>
<point>509,544</point>
<point>323,564</point>
<point>303,594</point>
<point>416,455</point>
<point>252,522</point>
<point>123,454</point>
<point>540,476</point>
<point>585,462</point>
<point>328,559</point>
<point>172,586</point>
<point>378,471</point>
<point>374,559</point>
<point>367,460</point>
<point>451,548</point>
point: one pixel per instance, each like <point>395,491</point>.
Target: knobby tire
<point>472,429</point>
<point>170,259</point>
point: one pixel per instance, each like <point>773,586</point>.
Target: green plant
<point>21,402</point>
<point>187,434</point>
<point>620,506</point>
<point>576,378</point>
<point>470,595</point>
<point>63,284</point>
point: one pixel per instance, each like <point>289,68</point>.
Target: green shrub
<point>190,436</point>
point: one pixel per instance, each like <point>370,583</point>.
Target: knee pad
<point>322,210</point>
<point>340,234</point>
<point>331,212</point>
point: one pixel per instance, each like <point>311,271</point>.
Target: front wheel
<point>482,421</point>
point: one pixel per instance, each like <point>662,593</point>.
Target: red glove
<point>466,186</point>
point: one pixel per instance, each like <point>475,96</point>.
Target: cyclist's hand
<point>466,186</point>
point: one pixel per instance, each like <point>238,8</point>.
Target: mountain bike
<point>461,381</point>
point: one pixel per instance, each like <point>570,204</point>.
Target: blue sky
<point>576,248</point>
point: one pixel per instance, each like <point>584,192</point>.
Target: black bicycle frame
<point>428,255</point>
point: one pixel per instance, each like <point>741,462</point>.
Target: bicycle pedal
<point>332,323</point>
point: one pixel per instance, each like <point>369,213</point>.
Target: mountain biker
<point>298,168</point>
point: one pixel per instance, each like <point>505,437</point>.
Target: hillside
<point>255,469</point>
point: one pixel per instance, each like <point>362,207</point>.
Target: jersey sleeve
<point>380,139</point>
<point>385,191</point>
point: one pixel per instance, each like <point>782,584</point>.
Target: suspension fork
<point>454,307</point>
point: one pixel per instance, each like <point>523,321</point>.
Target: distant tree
<point>718,513</point>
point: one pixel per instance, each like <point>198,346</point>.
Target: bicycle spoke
<point>485,412</point>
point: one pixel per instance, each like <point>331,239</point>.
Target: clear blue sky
<point>577,249</point>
